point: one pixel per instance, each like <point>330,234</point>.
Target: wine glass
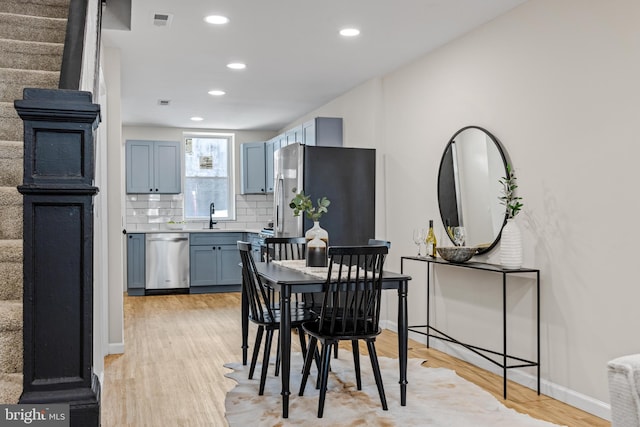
<point>458,236</point>
<point>419,235</point>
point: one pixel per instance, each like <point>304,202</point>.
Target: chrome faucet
<point>212,211</point>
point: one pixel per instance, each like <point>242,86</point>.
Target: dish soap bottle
<point>431,241</point>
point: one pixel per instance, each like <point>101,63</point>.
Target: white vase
<point>511,245</point>
<point>322,236</point>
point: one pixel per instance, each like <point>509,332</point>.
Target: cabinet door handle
<point>151,189</point>
<point>214,248</point>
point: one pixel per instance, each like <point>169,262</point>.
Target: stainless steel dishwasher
<point>167,261</point>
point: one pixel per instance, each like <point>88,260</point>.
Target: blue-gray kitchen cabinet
<point>135,263</point>
<point>253,167</point>
<point>323,131</point>
<point>269,150</point>
<point>153,167</point>
<point>214,262</point>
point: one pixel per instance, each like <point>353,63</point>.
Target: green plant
<point>509,199</point>
<point>302,203</point>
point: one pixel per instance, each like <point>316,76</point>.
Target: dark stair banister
<point>58,191</point>
<point>71,68</point>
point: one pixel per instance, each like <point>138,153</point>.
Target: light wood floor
<point>172,373</point>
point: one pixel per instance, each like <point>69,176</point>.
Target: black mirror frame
<point>505,161</point>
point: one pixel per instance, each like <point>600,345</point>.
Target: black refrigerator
<point>346,176</point>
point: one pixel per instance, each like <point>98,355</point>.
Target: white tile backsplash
<point>150,212</point>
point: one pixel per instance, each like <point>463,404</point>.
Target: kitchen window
<point>208,169</point>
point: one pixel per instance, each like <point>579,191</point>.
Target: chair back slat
<point>377,242</point>
<point>353,290</point>
<point>257,293</point>
<point>285,248</point>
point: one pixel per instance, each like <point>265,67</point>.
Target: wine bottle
<point>431,241</point>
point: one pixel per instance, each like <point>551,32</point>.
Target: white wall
<point>557,83</point>
<point>111,70</point>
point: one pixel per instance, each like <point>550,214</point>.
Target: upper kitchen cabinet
<point>153,167</point>
<point>269,150</point>
<point>253,165</point>
<point>323,131</point>
<point>282,140</point>
<point>294,135</point>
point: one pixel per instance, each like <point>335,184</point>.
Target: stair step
<point>10,388</point>
<point>11,128</point>
<point>30,55</point>
<point>10,213</point>
<point>11,161</point>
<point>11,250</point>
<point>32,28</point>
<point>12,82</point>
<point>10,317</point>
<point>11,274</point>
<point>46,8</point>
<point>10,337</point>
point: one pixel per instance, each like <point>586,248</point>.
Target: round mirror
<point>469,187</point>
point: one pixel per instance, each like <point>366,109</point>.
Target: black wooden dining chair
<point>284,248</point>
<point>279,249</point>
<point>290,248</point>
<point>371,242</point>
<point>350,311</point>
<point>264,314</point>
<point>377,242</point>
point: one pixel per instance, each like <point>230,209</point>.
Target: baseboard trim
<point>115,348</point>
<point>548,388</point>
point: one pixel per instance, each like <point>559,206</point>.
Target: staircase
<point>31,42</point>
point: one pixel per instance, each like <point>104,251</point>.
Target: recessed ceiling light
<point>349,32</point>
<point>216,92</point>
<point>197,119</point>
<point>216,19</point>
<point>237,66</point>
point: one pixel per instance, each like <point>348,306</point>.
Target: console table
<point>504,360</point>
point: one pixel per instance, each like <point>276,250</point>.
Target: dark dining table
<point>288,281</point>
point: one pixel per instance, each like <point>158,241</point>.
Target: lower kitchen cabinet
<point>135,263</point>
<point>214,262</point>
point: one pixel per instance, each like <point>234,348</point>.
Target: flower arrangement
<point>302,203</point>
<point>509,199</point>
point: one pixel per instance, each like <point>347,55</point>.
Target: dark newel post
<point>58,193</point>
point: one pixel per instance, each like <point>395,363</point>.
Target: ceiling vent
<point>162,19</point>
<point>164,102</point>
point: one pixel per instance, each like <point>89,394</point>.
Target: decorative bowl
<point>176,225</point>
<point>457,253</point>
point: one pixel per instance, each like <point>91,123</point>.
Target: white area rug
<point>435,397</point>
